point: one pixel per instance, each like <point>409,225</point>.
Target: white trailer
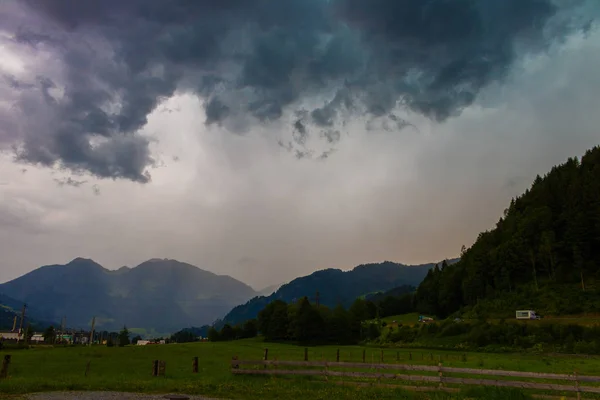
<point>526,314</point>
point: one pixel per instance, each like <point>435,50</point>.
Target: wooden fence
<point>383,371</point>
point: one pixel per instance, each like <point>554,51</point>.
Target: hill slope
<point>336,286</point>
<point>9,308</point>
<point>162,295</point>
<point>547,243</point>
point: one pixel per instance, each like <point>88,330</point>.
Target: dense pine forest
<point>546,246</point>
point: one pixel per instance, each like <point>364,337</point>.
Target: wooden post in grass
<point>5,364</point>
<point>195,365</point>
<point>306,354</point>
<point>266,357</point>
<point>410,356</point>
<point>577,386</point>
<point>440,374</point>
<point>381,355</point>
<point>159,367</point>
<point>87,368</point>
<point>337,356</point>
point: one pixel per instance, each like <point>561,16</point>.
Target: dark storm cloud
<point>69,182</point>
<point>267,59</point>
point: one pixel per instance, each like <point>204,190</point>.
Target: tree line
<point>307,323</point>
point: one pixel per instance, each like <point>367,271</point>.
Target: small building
<point>9,336</point>
<point>425,319</point>
<point>526,314</point>
<point>37,338</point>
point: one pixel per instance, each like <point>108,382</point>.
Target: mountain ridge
<point>161,294</point>
<point>336,286</point>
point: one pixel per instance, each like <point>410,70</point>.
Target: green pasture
<point>129,369</point>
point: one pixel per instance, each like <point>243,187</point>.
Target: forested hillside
<point>547,240</point>
<point>335,287</point>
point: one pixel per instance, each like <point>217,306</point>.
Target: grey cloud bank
<point>97,69</point>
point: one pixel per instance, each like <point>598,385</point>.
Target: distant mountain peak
<point>81,259</point>
<point>84,262</point>
<point>155,260</point>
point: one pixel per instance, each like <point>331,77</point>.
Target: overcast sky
<point>302,139</point>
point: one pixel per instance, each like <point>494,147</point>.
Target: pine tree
<point>123,338</point>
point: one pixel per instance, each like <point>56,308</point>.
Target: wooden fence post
<point>410,356</point>
<point>155,368</point>
<point>337,356</point>
<point>162,368</point>
<point>5,364</point>
<point>195,365</point>
<point>306,354</point>
<point>440,374</point>
<point>577,386</point>
<point>266,357</point>
<point>381,355</point>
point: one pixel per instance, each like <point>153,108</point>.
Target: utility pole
<point>92,332</point>
<point>26,339</point>
<point>62,328</point>
<point>21,324</point>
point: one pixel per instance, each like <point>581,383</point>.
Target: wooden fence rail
<point>440,378</point>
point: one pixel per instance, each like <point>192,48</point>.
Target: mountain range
<point>162,295</point>
<point>158,295</point>
<point>337,287</point>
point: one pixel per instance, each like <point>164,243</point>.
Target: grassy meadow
<point>129,369</point>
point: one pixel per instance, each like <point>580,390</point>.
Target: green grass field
<point>404,319</point>
<point>129,369</point>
